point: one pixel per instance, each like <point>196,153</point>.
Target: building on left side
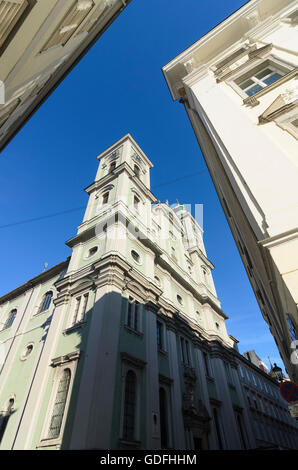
<point>40,42</point>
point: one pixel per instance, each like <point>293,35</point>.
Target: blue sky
<point>118,87</point>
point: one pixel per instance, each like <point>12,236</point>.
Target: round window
<point>179,298</point>
<point>135,256</point>
<point>92,251</point>
<point>27,351</point>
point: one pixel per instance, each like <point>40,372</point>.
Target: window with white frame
<point>252,80</point>
<point>133,316</point>
<point>59,405</point>
<point>46,302</point>
<point>256,79</point>
<point>65,367</point>
<point>10,319</point>
<point>80,308</point>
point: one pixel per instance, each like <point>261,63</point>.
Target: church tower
<point>126,339</point>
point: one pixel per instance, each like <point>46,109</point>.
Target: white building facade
<point>238,85</point>
<point>124,345</point>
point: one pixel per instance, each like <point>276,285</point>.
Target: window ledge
<point>253,100</point>
<point>74,328</point>
<point>40,313</point>
<point>49,443</point>
<point>131,330</point>
<point>162,351</point>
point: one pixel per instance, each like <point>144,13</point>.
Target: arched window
<point>205,274</point>
<point>10,319</point>
<point>163,418</point>
<point>130,397</point>
<point>136,169</point>
<point>59,405</point>
<point>46,301</point>
<point>4,417</point>
<point>105,198</point>
<point>92,251</point>
<point>112,166</point>
<point>135,256</point>
<point>136,202</point>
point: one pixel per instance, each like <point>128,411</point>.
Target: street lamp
<point>277,372</point>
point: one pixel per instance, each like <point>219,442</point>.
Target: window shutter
<point>92,20</point>
<point>69,24</point>
<point>10,12</point>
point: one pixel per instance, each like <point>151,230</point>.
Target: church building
<point>123,345</point>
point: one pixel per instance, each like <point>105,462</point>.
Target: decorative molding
<point>215,402</point>
<point>73,356</point>
<point>277,109</point>
<point>165,380</point>
<point>133,361</point>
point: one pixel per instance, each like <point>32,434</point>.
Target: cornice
<point>132,361</point>
<point>73,356</point>
<point>126,137</point>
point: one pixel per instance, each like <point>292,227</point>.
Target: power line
<point>25,221</point>
<point>67,211</point>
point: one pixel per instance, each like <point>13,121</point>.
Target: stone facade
<point>124,345</point>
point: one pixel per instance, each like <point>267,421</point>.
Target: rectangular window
<point>136,316</point>
<point>257,80</point>
<point>185,351</point>
<point>10,12</point>
<point>206,364</point>
<point>228,372</point>
<point>254,379</point>
<point>241,372</point>
<point>292,328</point>
<point>159,331</point>
<point>80,309</point>
<point>133,318</point>
<point>92,20</point>
<point>241,430</point>
<point>70,23</point>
